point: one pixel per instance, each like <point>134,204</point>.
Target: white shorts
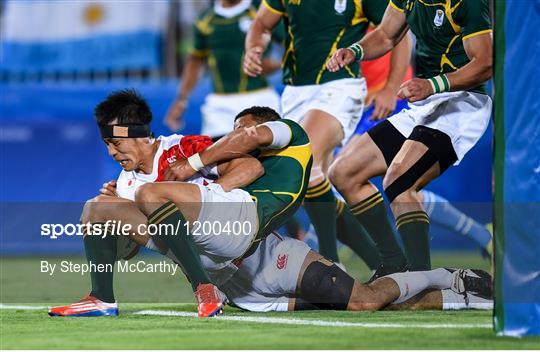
<point>224,230</point>
<point>267,279</point>
<point>343,99</point>
<point>219,110</point>
<point>463,116</point>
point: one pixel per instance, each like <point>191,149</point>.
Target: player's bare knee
<point>94,209</point>
<point>148,193</point>
<point>339,173</point>
<point>335,174</point>
<point>345,177</point>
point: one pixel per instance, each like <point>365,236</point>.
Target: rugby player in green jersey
<point>219,35</point>
<point>327,104</point>
<point>448,114</point>
<point>270,273</point>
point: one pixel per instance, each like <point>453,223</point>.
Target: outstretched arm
<point>375,44</point>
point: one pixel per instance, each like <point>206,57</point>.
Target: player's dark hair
<point>127,106</point>
<point>261,114</point>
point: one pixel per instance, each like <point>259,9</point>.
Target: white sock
<point>439,278</point>
<point>455,301</point>
<point>412,283</point>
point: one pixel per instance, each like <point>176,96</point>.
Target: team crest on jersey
<point>439,18</point>
<point>281,261</point>
<point>340,6</point>
<point>245,23</point>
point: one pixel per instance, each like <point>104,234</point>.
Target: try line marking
<point>12,306</point>
<point>287,321</point>
<point>292,321</point>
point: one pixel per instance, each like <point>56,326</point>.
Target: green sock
<point>371,213</point>
<point>320,205</point>
<point>414,230</point>
<point>354,236</point>
<point>101,251</point>
<point>180,242</point>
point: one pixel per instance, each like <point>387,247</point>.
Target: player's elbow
<point>147,193</point>
<point>488,70</point>
<point>485,68</point>
<point>251,139</point>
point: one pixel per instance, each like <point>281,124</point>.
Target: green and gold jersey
<point>221,41</point>
<point>281,190</point>
<point>440,26</point>
<point>316,28</point>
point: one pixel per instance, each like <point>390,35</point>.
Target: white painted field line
<point>289,321</point>
<point>12,306</point>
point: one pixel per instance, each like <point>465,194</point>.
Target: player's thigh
<point>186,196</point>
<point>325,133</point>
<point>227,222</point>
<point>413,167</point>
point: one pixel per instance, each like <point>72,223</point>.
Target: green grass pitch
<point>24,285</point>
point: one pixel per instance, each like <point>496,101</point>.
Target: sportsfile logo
<point>195,228</point>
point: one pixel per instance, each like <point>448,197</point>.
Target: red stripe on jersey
<point>190,145</point>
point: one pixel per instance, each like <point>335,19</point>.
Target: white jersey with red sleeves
<point>171,148</point>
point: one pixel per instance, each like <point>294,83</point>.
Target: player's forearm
<point>259,35</point>
<point>234,145</point>
<point>239,173</point>
<point>190,76</point>
<point>376,44</point>
<point>270,66</point>
<point>399,63</point>
<point>471,75</point>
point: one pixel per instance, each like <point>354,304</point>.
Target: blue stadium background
<point>52,159</point>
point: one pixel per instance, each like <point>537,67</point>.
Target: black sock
<point>414,230</point>
<point>101,251</point>
<point>354,236</point>
<point>180,242</point>
<point>320,205</point>
<point>371,213</point>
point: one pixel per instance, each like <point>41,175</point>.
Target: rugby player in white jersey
<point>280,274</point>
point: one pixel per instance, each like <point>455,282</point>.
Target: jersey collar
<point>231,12</point>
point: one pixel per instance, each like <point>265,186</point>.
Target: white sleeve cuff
<point>281,133</point>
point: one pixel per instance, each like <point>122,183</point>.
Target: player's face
<point>245,121</point>
<point>125,151</point>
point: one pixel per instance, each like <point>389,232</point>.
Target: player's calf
<point>326,286</point>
